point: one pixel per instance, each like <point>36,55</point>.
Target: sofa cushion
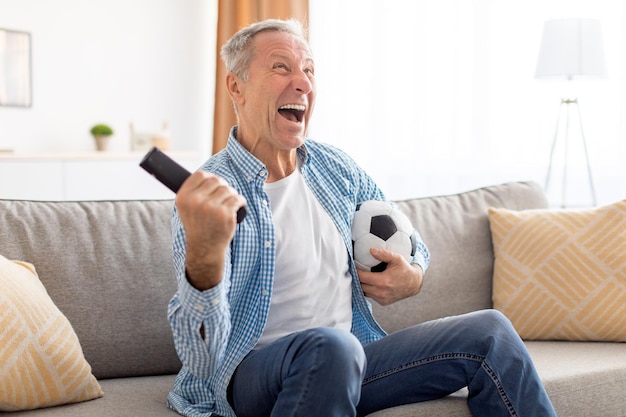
<point>110,273</point>
<point>41,361</point>
<point>142,396</point>
<point>452,405</point>
<point>581,378</point>
<point>456,230</point>
<point>561,274</point>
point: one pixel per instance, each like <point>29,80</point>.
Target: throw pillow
<point>561,274</point>
<point>41,361</point>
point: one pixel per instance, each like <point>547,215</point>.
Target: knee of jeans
<point>492,324</point>
<point>496,320</point>
<point>340,348</point>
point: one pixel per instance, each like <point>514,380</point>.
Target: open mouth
<point>293,112</point>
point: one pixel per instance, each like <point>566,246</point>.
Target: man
<point>270,316</point>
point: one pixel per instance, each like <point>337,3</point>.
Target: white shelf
<point>85,156</point>
<point>83,176</point>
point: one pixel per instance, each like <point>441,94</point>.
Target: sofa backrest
<point>108,267</point>
<point>456,230</point>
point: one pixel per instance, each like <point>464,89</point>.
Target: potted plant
<point>101,134</point>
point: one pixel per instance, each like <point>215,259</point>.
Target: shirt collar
<point>248,164</point>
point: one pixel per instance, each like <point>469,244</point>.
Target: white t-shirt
<point>312,283</point>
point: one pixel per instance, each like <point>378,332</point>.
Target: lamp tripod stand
<point>566,105</point>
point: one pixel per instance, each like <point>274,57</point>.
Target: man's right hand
<point>207,207</point>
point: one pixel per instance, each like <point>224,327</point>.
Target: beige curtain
<point>232,16</point>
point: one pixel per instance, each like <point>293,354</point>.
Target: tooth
<point>293,107</point>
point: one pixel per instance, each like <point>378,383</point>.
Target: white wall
<point>113,61</point>
<point>439,96</point>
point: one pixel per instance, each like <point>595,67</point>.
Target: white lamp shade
<point>571,48</point>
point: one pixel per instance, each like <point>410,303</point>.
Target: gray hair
<point>238,52</point>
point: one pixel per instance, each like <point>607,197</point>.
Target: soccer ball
<point>378,224</point>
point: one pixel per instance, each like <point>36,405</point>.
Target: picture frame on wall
<point>15,68</point>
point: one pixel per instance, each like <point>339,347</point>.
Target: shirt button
<point>267,244</point>
<point>263,173</point>
<point>264,202</point>
<point>199,307</point>
<point>265,293</point>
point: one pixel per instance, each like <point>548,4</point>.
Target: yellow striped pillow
<point>561,274</point>
<point>41,361</point>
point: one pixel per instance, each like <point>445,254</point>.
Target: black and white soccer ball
<point>378,224</point>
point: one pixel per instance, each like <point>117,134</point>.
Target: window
<point>439,96</point>
<point>15,77</point>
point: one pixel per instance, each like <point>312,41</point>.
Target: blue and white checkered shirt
<point>234,312</point>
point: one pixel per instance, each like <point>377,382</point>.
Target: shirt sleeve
<point>422,255</point>
<point>369,190</point>
<point>193,313</point>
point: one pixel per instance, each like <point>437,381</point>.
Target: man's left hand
<point>398,281</point>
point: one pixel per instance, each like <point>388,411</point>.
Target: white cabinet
<point>92,176</point>
<point>21,179</point>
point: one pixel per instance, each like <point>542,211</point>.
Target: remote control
<point>171,174</point>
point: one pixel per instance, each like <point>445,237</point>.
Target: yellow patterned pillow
<point>41,361</point>
<point>561,274</point>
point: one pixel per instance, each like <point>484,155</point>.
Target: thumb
<point>382,254</point>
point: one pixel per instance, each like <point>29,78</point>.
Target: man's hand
<point>207,207</point>
<point>398,281</point>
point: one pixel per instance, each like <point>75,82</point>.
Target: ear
<point>234,86</point>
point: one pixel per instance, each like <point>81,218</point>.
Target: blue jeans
<point>327,372</point>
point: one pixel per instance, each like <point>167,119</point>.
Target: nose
<point>302,82</point>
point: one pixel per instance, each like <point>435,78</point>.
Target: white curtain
<point>438,96</point>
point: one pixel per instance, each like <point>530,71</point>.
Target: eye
<point>281,66</point>
<point>309,71</point>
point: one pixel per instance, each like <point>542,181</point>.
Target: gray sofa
<point>107,266</point>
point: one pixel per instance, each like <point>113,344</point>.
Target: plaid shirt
<point>234,312</point>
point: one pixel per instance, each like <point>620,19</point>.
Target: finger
<point>220,196</point>
<point>374,293</point>
<point>196,189</point>
<point>383,255</point>
<point>368,278</point>
<point>235,203</point>
<point>205,192</point>
<point>367,289</point>
<point>215,187</point>
<point>212,187</point>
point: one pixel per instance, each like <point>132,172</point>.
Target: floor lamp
<point>570,48</point>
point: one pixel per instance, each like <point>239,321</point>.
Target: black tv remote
<point>171,174</point>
